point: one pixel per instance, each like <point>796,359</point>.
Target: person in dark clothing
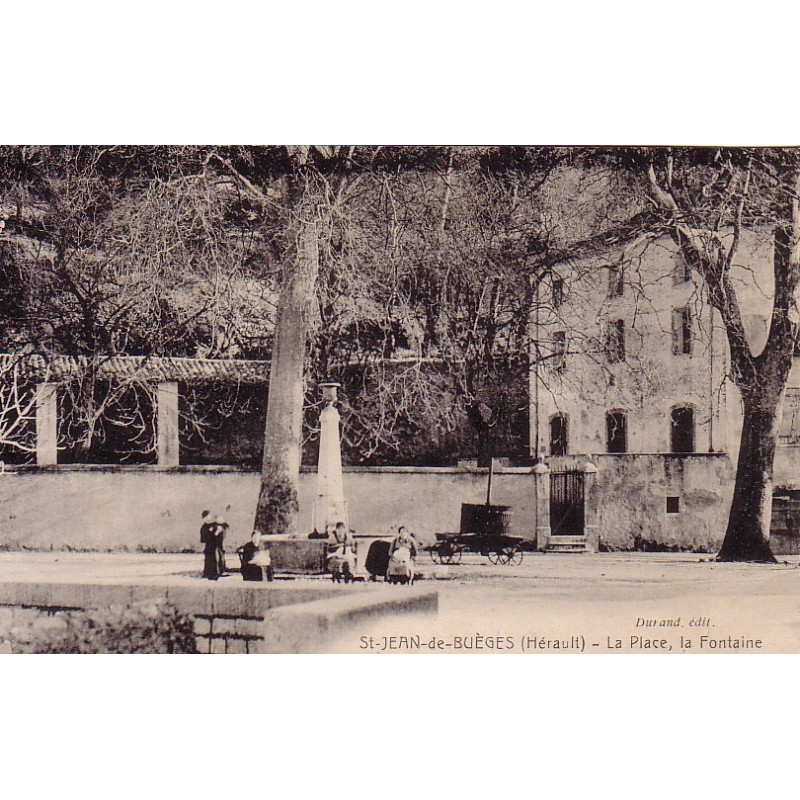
<point>221,531</point>
<point>377,559</point>
<point>208,538</point>
<point>256,563</point>
<point>246,552</point>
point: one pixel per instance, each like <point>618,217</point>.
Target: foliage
<point>117,629</point>
<point>428,258</point>
<point>177,251</point>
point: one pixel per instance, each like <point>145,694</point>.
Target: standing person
<point>208,538</point>
<point>221,531</point>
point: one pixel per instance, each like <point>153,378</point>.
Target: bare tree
<point>127,251</point>
<point>424,309</point>
<point>702,195</point>
<point>17,411</point>
<point>707,200</point>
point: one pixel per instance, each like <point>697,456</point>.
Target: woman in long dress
<point>208,538</point>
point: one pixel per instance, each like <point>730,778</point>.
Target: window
<point>558,292</point>
<point>673,505</point>
<point>559,432</point>
<point>559,350</point>
<point>615,341</point>
<point>616,432</point>
<point>616,281</point>
<point>789,430</point>
<point>682,431</point>
<point>682,331</point>
<point>681,271</point>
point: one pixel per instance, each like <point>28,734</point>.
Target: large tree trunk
<point>763,387</point>
<point>277,508</point>
<point>762,378</point>
<point>747,534</point>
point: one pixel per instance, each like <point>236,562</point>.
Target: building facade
<point>630,370</point>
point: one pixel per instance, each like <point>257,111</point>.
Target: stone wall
<point>158,510</point>
<point>632,493</point>
<point>152,509</point>
<point>232,619</point>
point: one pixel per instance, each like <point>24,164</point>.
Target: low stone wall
<point>232,619</point>
<point>152,509</point>
<point>631,495</point>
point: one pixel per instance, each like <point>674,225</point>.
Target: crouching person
<point>402,553</point>
<point>341,562</point>
<point>256,560</point>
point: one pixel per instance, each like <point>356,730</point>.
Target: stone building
<point>629,370</point>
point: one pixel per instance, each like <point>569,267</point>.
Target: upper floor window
<point>789,431</point>
<point>559,350</point>
<point>615,341</point>
<point>558,292</point>
<point>616,432</point>
<point>682,331</point>
<point>616,280</point>
<point>559,435</point>
<point>681,271</point>
<point>682,430</point>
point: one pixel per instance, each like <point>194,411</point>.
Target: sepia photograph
<point>520,377</point>
<point>351,399</point>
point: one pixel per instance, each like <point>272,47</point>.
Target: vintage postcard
<point>399,399</point>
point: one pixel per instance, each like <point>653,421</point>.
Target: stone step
<point>567,544</point>
<point>567,540</point>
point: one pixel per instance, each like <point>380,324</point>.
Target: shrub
<point>117,629</point>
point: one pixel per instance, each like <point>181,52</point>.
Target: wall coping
<point>660,455</point>
<point>26,469</point>
<point>199,469</point>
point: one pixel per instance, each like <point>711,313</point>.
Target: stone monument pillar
<point>329,503</point>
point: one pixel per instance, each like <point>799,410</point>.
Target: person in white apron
<point>341,550</point>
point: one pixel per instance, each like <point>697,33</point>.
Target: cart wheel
<point>449,553</point>
<point>495,556</point>
<point>436,556</point>
<point>513,555</point>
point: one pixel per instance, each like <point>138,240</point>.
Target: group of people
<point>388,560</point>
<point>212,536</point>
<point>393,560</point>
<point>341,550</point>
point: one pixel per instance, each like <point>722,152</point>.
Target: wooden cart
<point>499,548</point>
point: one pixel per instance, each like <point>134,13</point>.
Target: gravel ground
<point>550,603</point>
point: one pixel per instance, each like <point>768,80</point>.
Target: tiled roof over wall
<point>59,369</point>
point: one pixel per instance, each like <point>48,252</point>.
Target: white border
<point>406,73</point>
